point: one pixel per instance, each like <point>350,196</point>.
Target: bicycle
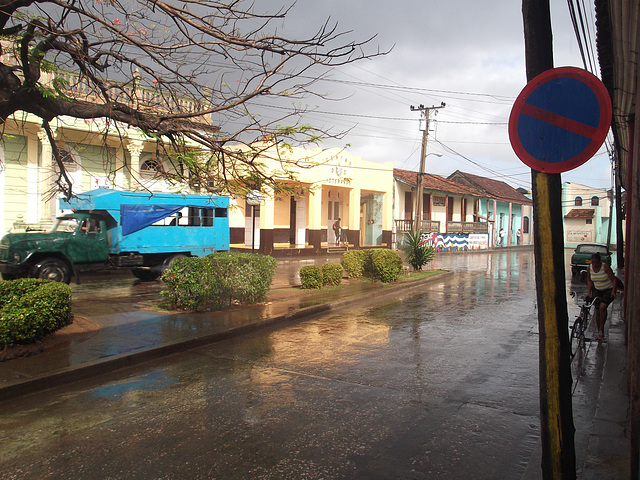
<point>580,326</point>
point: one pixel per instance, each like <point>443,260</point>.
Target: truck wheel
<point>52,269</point>
<point>146,274</point>
<point>167,263</point>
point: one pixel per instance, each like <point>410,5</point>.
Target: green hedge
<point>218,280</point>
<point>32,309</point>
<point>384,264</point>
<point>311,277</point>
<point>355,261</point>
<point>332,274</point>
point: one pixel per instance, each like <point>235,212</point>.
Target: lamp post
<point>254,197</point>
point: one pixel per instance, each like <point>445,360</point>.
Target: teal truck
<point>114,229</point>
<point>581,257</point>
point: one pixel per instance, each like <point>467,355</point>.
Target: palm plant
<point>418,252</point>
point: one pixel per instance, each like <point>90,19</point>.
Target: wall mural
<point>450,242</point>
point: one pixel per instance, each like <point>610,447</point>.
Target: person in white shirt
<point>601,285</point>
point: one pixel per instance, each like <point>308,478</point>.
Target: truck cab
<point>75,239</point>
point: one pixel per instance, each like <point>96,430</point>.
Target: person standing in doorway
<point>601,285</point>
<point>337,230</point>
<point>501,236</point>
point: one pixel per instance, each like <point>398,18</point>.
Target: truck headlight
<point>16,257</point>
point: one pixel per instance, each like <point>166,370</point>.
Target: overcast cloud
<point>468,54</point>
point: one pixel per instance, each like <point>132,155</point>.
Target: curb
<point>129,359</point>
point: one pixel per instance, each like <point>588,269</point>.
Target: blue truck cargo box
<point>150,223</point>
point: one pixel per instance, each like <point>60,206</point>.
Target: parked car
<point>581,257</point>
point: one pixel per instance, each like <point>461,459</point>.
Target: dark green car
<point>581,257</point>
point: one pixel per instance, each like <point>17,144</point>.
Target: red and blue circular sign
<point>560,119</point>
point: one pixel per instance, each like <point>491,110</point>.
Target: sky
<point>468,54</point>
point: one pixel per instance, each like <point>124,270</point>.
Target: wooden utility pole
<point>556,413</point>
<point>423,160</point>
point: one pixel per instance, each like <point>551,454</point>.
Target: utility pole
<point>425,111</point>
<point>556,413</point>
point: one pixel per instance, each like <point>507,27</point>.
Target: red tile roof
<point>435,183</point>
<point>581,213</point>
<point>492,188</point>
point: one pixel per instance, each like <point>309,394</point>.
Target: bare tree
<point>184,72</point>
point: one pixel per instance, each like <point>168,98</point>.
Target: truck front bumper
<point>16,270</point>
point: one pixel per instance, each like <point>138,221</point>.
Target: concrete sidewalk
<point>608,449</point>
<point>129,335</point>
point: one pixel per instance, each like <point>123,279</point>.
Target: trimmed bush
<point>32,309</point>
<point>355,262</point>
<point>311,276</point>
<point>218,280</point>
<point>186,284</point>
<point>246,277</point>
<point>332,273</point>
<point>386,265</point>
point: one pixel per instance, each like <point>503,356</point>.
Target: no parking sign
<point>560,119</point>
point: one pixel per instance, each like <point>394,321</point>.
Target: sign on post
<point>560,119</point>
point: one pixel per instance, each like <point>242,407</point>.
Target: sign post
<point>557,123</point>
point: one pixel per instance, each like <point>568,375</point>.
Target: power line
<point>501,98</point>
<point>479,165</point>
<point>376,117</point>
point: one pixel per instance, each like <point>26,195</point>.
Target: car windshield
<point>592,249</point>
<point>65,225</point>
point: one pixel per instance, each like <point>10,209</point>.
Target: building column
<point>496,224</point>
<point>387,220</point>
<point>47,175</point>
<point>267,214</point>
<point>135,149</point>
<point>34,204</point>
<point>118,179</point>
<point>353,235</point>
<point>510,223</point>
<point>315,218</point>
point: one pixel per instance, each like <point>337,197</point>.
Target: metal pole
<point>253,227</point>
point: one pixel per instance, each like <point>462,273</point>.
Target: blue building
<point>504,207</point>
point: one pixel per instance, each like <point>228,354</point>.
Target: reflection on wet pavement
<point>442,384</point>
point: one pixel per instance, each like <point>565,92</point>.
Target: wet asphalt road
<point>441,385</point>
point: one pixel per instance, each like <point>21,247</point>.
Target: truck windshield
<point>65,225</point>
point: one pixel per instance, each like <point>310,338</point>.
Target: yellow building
<point>330,185</point>
<point>95,154</point>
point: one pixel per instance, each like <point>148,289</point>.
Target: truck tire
<point>167,263</point>
<point>146,274</point>
<point>52,269</point>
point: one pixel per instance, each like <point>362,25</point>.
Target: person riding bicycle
<point>601,285</point>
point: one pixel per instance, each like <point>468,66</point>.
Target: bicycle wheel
<point>577,336</point>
